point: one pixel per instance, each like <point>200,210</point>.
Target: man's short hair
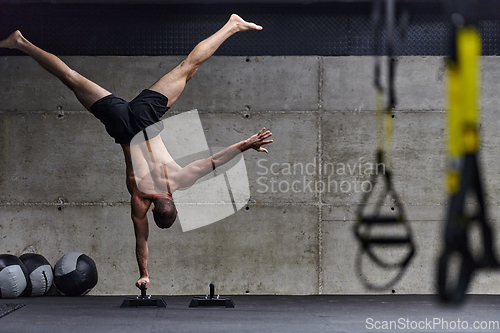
<point>164,213</point>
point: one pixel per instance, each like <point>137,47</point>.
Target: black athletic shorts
<point>123,120</point>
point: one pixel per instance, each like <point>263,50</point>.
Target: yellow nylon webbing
<point>463,95</point>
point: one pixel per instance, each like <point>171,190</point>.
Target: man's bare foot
<point>12,41</point>
<point>242,25</point>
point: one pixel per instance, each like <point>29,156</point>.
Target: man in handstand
<point>124,120</point>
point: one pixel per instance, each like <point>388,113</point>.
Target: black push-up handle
<point>143,290</point>
<point>211,300</point>
<point>212,290</point>
<point>143,300</point>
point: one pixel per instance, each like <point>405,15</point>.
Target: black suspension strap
<point>463,171</point>
<point>363,229</point>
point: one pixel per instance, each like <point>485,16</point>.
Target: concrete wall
<point>62,179</point>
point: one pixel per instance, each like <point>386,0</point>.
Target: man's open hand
<point>256,141</point>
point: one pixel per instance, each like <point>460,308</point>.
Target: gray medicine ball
<point>13,276</point>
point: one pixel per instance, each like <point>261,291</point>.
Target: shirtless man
<point>153,175</point>
<point>123,120</point>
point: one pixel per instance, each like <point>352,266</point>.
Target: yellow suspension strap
<point>463,172</point>
<point>367,223</point>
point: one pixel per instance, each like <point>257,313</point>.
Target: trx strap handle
<point>367,223</point>
<point>456,236</point>
<point>363,228</point>
<point>380,220</point>
<point>463,174</point>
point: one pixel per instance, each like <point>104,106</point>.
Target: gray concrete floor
<point>255,314</point>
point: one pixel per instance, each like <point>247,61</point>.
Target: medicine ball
<point>40,274</point>
<point>75,274</point>
<point>13,276</point>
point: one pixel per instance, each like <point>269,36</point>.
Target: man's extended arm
<point>197,169</point>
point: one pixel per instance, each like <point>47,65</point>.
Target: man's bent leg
<point>85,90</point>
<point>172,84</point>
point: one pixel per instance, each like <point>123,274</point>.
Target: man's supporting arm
<point>141,228</point>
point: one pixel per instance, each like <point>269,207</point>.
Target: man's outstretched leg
<point>85,90</point>
<point>172,84</point>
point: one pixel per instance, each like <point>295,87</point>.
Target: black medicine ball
<point>40,274</point>
<point>75,274</point>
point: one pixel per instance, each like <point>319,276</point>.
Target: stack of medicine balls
<point>75,274</point>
